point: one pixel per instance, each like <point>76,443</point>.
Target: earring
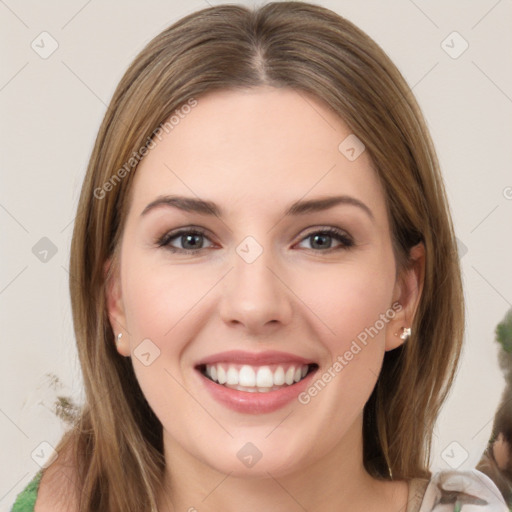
<point>119,336</point>
<point>406,333</point>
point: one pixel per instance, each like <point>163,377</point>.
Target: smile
<point>253,383</point>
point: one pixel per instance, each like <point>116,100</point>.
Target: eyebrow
<point>301,207</point>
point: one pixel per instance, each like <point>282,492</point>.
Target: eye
<point>191,240</point>
<point>321,239</point>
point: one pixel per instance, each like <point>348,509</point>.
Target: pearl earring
<point>406,333</point>
<point>119,336</point>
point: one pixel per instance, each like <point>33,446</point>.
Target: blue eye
<point>192,240</point>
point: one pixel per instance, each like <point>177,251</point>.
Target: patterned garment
<point>466,491</point>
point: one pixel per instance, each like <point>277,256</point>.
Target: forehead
<point>253,148</point>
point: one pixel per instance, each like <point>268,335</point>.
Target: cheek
<point>353,309</point>
<point>158,299</point>
<point>161,319</point>
<point>350,301</point>
<point>354,306</point>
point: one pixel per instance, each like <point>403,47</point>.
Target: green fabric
<point>26,499</point>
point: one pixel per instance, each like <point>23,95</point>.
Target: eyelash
<point>339,235</point>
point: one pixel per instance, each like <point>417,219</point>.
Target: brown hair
<point>117,441</point>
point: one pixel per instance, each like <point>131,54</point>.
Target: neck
<point>336,480</point>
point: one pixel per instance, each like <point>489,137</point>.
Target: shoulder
<point>57,488</point>
<point>457,488</point>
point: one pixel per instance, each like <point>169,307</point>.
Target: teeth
<point>232,376</point>
<point>221,375</point>
<point>256,379</point>
<point>247,376</point>
<point>279,376</point>
<point>264,378</point>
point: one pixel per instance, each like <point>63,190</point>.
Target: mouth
<point>255,383</point>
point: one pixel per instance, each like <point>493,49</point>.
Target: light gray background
<point>50,113</point>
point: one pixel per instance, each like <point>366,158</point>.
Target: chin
<point>255,459</point>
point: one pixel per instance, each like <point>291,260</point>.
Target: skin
<point>501,451</point>
<point>254,152</point>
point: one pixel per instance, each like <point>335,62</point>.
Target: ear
<point>115,307</point>
<point>407,293</point>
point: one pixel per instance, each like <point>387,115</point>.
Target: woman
<point>263,276</point>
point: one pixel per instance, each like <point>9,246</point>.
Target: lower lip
<point>255,403</point>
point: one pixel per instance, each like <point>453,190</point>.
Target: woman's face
<point>260,297</point>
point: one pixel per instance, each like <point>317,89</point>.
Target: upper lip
<point>253,358</point>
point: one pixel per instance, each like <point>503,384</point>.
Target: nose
<point>255,294</point>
